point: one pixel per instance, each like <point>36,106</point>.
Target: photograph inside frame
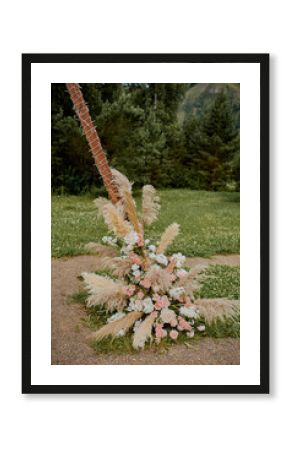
<point>145,191</point>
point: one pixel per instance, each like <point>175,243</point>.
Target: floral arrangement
<point>150,293</point>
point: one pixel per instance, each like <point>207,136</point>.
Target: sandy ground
<point>70,338</point>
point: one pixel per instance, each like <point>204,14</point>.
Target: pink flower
<point>140,295</point>
<point>146,283</point>
<point>156,297</point>
<point>159,331</point>
<point>173,277</point>
<point>140,241</point>
<point>173,334</point>
<point>162,302</point>
<point>136,259</point>
<point>183,325</point>
<point>173,323</point>
<point>129,290</point>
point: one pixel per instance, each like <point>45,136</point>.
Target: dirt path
<point>69,337</point>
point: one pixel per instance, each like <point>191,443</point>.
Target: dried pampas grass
<point>121,182</point>
<point>160,279</point>
<point>217,308</point>
<point>104,291</point>
<point>112,328</point>
<point>130,210</point>
<point>121,267</point>
<point>143,332</point>
<point>168,237</point>
<point>189,282</point>
<point>99,203</point>
<point>150,205</point>
<point>115,221</point>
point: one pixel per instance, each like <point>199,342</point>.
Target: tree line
<point>140,131</point>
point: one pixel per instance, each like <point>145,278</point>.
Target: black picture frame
<point>263,61</point>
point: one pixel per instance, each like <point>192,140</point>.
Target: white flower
<point>147,241</point>
<point>179,259</point>
<point>135,305</point>
<point>167,315</point>
<point>161,259</point>
<point>105,239</point>
<point>148,306</point>
<point>137,325</point>
<point>152,248</point>
<point>131,238</point>
<point>116,316</point>
<point>120,333</point>
<point>152,255</point>
<point>189,311</point>
<point>201,327</point>
<point>190,334</point>
<point>134,267</point>
<point>181,273</point>
<point>136,273</point>
<point>176,292</point>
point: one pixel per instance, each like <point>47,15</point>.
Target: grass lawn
<point>210,222</point>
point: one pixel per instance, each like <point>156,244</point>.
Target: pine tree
<point>216,146</point>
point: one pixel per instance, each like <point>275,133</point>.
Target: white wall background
<point>206,422</point>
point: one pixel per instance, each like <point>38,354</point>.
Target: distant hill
<point>200,96</point>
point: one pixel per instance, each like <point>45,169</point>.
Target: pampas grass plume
<point>217,308</point>
<point>150,205</point>
<point>168,237</point>
<point>112,328</point>
<point>143,332</point>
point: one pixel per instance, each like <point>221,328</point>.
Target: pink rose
<point>174,323</point>
<point>140,295</point>
<point>136,259</point>
<point>173,334</point>
<point>159,331</point>
<point>146,283</point>
<point>162,303</point>
<point>183,325</point>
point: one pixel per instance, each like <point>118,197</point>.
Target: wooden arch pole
<point>93,139</point>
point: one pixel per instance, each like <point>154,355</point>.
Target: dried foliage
<point>104,291</point>
<point>99,203</point>
<point>168,237</point>
<point>115,220</point>
<point>150,205</point>
<point>143,332</point>
<point>190,282</point>
<point>217,308</point>
<point>121,182</point>
<point>159,278</point>
<point>130,210</point>
<point>121,267</point>
<point>112,328</point>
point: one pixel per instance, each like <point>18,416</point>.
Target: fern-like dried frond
<point>168,237</point>
<point>115,221</point>
<point>121,182</point>
<point>130,210</point>
<point>159,278</point>
<point>143,332</point>
<point>150,205</point>
<point>104,291</point>
<point>217,308</point>
<point>112,328</point>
